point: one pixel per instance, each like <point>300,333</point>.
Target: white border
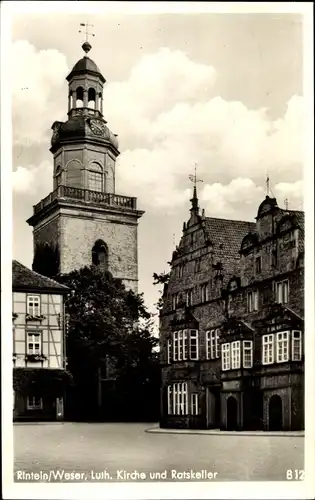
<point>294,490</point>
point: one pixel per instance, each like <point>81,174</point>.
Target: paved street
<point>93,448</point>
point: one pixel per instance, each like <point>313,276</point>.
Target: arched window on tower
<point>58,176</point>
<point>91,98</point>
<point>95,176</point>
<point>79,101</point>
<point>100,255</point>
<point>70,100</point>
<point>100,102</point>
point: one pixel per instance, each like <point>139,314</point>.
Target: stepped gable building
<point>83,220</point>
<point>231,327</point>
<point>38,329</point>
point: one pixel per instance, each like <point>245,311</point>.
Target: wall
<point>51,328</point>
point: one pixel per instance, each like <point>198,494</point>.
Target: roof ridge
<point>230,220</point>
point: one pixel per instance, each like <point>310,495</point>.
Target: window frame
<point>294,339</point>
<point>194,335</point>
<point>236,355</point>
<point>178,394</point>
<point>32,334</point>
<point>267,341</point>
<point>194,403</point>
<point>212,344</point>
<point>283,341</point>
<point>30,305</point>
<point>226,356</point>
<point>282,297</point>
<point>169,351</point>
<point>246,349</point>
<point>258,264</point>
<point>253,300</point>
<point>95,177</point>
<point>32,406</point>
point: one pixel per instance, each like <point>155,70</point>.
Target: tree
<point>107,323</point>
<point>161,279</point>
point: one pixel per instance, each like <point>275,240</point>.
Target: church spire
<point>194,200</point>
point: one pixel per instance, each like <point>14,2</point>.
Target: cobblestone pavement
<point>91,449</point>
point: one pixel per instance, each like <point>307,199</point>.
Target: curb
<point>38,423</point>
<point>198,432</point>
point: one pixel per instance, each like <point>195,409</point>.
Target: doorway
<point>231,409</point>
<point>275,413</point>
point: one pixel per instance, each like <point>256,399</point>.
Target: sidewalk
<point>217,432</point>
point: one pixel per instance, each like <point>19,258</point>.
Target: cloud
<point>167,118</point>
<point>38,91</point>
<point>33,179</point>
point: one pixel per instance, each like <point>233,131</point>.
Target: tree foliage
<point>105,321</point>
<point>161,279</point>
<point>46,259</point>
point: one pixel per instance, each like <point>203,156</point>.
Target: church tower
<point>83,221</point>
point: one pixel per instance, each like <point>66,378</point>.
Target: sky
<point>224,91</point>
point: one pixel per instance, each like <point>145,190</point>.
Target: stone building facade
<point>83,220</point>
<point>231,326</point>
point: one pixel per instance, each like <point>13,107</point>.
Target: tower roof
<point>83,66</point>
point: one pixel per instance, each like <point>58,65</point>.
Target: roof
<point>85,65</point>
<point>226,235</point>
<point>24,278</point>
<point>298,215</point>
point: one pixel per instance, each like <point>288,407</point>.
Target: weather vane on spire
<point>86,45</point>
<point>193,177</point>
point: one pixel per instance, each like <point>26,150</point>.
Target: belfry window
<point>91,98</point>
<point>58,176</point>
<point>95,178</point>
<point>100,255</point>
<point>79,101</point>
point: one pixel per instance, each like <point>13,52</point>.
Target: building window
<point>169,351</point>
<point>95,178</point>
<point>204,292</point>
<point>296,345</point>
<point>33,305</point>
<point>193,345</point>
<point>181,340</point>
<point>268,349</point>
<point>33,343</point>
<point>169,400</point>
<point>212,344</point>
<point>177,399</point>
<point>247,354</point>
<point>282,292</point>
<point>197,265</point>
<point>34,403</point>
<point>58,176</point>
<point>282,347</point>
<point>194,403</point>
<point>180,270</point>
<point>274,258</point>
<point>226,357</point>
<point>236,355</point>
<point>174,301</point>
<point>185,344</point>
<point>189,298</point>
<point>100,255</point>
<point>258,265</point>
<point>252,301</point>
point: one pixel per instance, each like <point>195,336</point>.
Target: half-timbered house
<point>38,328</point>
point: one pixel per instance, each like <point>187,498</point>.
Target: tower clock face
<point>97,127</point>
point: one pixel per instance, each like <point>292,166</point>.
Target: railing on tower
<point>107,199</point>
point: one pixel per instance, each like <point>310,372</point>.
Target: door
<point>275,413</point>
<point>231,408</point>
